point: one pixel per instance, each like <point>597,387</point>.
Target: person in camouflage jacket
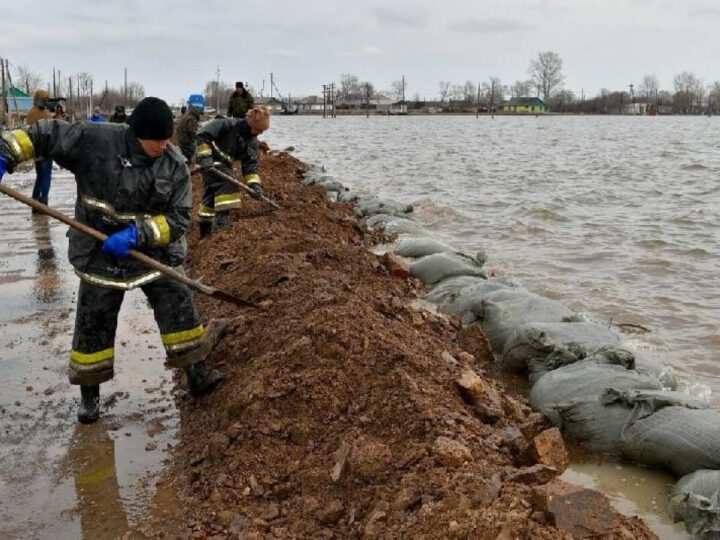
<point>187,129</point>
<point>241,101</point>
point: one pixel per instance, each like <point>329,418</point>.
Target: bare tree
<point>350,87</point>
<point>492,92</point>
<point>444,90</point>
<point>27,80</point>
<point>212,89</point>
<point>397,89</point>
<point>457,92</point>
<point>522,89</point>
<point>562,100</point>
<point>469,92</point>
<point>649,87</point>
<point>546,72</point>
<point>689,93</point>
<point>714,97</point>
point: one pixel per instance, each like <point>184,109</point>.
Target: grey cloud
<point>284,53</point>
<point>707,12</point>
<point>360,53</point>
<point>391,17</point>
<point>490,25</point>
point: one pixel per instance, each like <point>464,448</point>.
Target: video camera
<point>51,104</point>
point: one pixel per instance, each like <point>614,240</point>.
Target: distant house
<point>525,105</point>
<point>378,103</point>
<point>309,104</point>
<point>18,101</point>
<point>274,104</point>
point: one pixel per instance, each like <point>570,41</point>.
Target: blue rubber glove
<point>120,243</point>
<point>3,166</point>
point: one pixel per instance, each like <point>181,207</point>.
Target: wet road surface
<point>59,479</point>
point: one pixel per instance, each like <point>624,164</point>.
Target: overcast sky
<point>174,48</point>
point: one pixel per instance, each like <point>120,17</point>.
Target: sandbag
<point>421,246</point>
<point>695,499</point>
<point>640,362</point>
<point>502,311</point>
<point>584,380</point>
<point>371,205</point>
<point>312,178</point>
<point>464,302</point>
<point>332,186</point>
<point>679,439</point>
<point>447,288</point>
<point>348,196</point>
<point>552,345</point>
<point>598,423</point>
<point>593,424</point>
<point>403,226</point>
<point>433,268</point>
<point>379,221</point>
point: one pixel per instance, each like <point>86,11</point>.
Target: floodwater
<point>59,479</point>
<point>616,217</point>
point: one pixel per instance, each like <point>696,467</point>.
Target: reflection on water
<point>613,216</point>
<point>59,479</point>
<point>47,277</point>
<point>91,461</point>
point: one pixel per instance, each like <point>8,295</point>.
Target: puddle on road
<point>59,479</point>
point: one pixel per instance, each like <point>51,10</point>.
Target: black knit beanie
<point>152,120</point>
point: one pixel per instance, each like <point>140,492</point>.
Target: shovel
<point>152,263</point>
<point>232,180</point>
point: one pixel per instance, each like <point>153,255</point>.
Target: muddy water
<point>59,479</point>
<point>615,217</point>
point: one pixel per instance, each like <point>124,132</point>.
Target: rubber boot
<point>89,410</point>
<point>222,219</point>
<point>205,228</point>
<point>201,381</point>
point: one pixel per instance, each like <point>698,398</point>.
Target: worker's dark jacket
<point>117,118</point>
<point>117,182</point>
<point>240,103</point>
<point>233,140</point>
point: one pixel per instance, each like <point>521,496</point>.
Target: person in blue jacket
<point>96,116</point>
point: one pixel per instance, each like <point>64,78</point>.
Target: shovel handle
<point>152,263</point>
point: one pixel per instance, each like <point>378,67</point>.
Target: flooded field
<point>616,217</point>
<point>59,479</point>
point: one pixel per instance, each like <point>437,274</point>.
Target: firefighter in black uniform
<point>135,187</point>
<point>220,142</point>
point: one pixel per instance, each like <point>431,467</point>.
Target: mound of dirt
<point>345,411</point>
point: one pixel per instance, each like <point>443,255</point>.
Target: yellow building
<point>531,105</point>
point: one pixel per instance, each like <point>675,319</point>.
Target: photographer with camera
<point>43,165</point>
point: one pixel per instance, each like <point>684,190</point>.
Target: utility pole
<point>54,90</point>
<point>91,94</point>
<point>492,97</point>
<point>333,111</point>
<point>403,96</point>
<point>217,91</point>
<point>367,100</point>
<point>477,109</point>
<point>125,94</point>
<point>271,88</point>
<point>70,98</point>
<point>324,100</point>
<point>3,103</point>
